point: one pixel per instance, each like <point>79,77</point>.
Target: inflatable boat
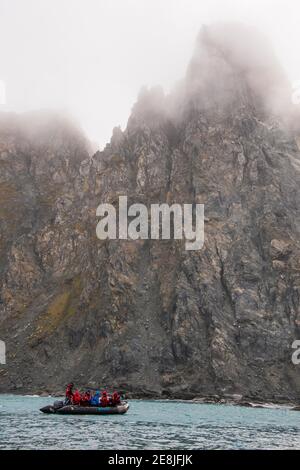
<point>59,408</point>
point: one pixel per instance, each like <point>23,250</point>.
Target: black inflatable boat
<point>59,408</point>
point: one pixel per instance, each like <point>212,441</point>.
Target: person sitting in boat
<point>95,400</point>
<point>85,398</point>
<point>115,399</point>
<point>104,399</point>
<point>76,398</point>
<point>69,393</point>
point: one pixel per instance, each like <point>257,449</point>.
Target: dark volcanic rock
<point>147,316</point>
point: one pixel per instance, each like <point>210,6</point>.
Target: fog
<point>90,58</point>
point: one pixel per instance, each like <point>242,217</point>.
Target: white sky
<point>91,57</point>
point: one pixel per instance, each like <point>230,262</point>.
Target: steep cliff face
<point>148,316</point>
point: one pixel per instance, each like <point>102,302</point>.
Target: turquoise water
<point>148,425</point>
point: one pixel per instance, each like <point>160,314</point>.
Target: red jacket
<point>76,398</point>
<point>115,399</point>
<point>104,399</point>
<point>69,392</point>
<point>85,399</point>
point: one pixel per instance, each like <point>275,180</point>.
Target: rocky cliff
<point>148,316</point>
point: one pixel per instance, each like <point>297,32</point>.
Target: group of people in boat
<point>91,399</point>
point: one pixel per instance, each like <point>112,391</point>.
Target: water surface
<point>148,425</point>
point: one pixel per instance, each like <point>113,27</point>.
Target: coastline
<point>233,400</point>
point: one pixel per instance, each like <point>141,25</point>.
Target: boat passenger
<point>95,400</point>
<point>69,393</point>
<point>85,399</point>
<point>76,398</point>
<point>104,399</point>
<point>115,399</point>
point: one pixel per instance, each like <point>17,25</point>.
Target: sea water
<point>148,424</point>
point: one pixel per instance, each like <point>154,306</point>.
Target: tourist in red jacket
<point>104,399</point>
<point>85,398</point>
<point>69,393</point>
<point>76,398</point>
<point>115,399</point>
